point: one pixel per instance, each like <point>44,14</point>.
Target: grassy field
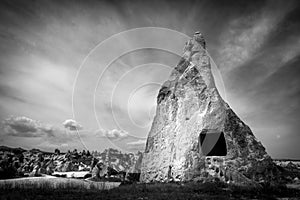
<point>156,191</point>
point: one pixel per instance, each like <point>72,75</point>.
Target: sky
<point>85,74</point>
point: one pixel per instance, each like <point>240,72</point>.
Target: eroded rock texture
<point>192,118</point>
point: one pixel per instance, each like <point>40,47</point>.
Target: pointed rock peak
<point>198,37</point>
<point>196,43</point>
<point>195,49</point>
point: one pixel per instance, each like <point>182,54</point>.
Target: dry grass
<point>155,191</point>
<point>55,183</point>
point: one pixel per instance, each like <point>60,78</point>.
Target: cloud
<point>252,76</point>
<point>72,125</point>
<point>116,134</point>
<point>19,130</point>
<point>26,127</point>
<point>247,34</point>
<point>138,142</point>
<point>138,145</point>
<point>113,134</point>
<point>275,59</point>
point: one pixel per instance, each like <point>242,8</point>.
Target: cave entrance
<point>212,143</point>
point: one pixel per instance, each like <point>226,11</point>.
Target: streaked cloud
<point>247,34</point>
<point>138,142</point>
<point>137,145</point>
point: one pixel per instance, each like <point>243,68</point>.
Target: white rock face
<point>189,104</point>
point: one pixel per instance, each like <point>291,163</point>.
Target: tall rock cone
<point>195,135</point>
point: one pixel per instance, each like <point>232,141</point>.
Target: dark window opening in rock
<point>212,143</point>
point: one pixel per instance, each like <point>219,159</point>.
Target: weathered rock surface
<point>186,140</point>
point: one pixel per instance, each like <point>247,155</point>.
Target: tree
<point>57,151</point>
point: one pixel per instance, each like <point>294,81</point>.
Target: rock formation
<point>128,162</point>
<point>195,135</point>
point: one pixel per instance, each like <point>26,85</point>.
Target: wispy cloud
<point>138,142</point>
<point>247,34</point>
<point>138,145</point>
<point>279,57</point>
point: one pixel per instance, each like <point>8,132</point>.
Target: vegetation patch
<point>154,191</point>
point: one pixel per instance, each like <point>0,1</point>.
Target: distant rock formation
<point>18,162</point>
<point>195,135</point>
<point>119,161</point>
